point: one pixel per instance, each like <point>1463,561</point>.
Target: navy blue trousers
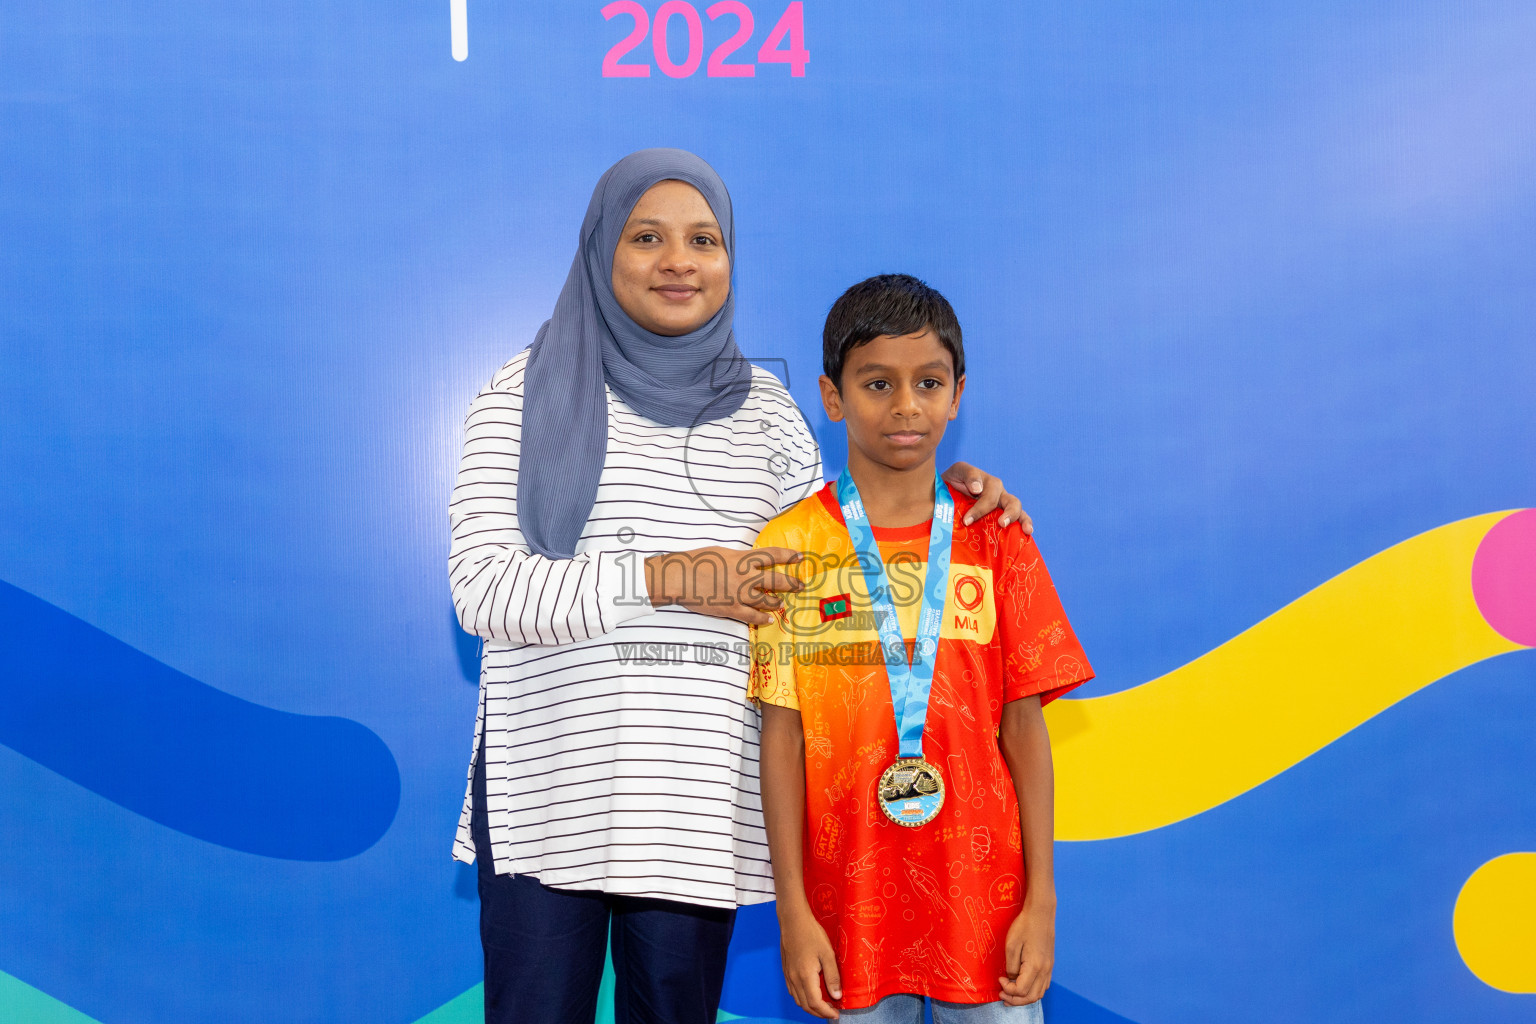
<point>544,948</point>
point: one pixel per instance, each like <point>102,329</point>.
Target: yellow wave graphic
<point>1283,689</point>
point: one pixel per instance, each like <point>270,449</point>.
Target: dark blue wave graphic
<point>181,753</point>
<point>1063,1006</point>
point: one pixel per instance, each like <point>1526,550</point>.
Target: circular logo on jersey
<point>969,590</point>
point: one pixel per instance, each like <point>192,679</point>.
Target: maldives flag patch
<point>836,607</point>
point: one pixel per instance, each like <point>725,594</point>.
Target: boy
<point>906,768</point>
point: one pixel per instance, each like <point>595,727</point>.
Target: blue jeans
<point>544,948</point>
<point>908,1009</point>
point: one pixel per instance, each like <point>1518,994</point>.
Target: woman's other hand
<point>989,494</point>
<point>724,582</point>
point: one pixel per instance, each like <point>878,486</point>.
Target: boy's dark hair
<point>887,304</point>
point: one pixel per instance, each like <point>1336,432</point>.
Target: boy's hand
<point>1030,954</point>
<point>808,960</point>
<point>989,494</point>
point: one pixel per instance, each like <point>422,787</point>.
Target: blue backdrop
<point>1248,293</point>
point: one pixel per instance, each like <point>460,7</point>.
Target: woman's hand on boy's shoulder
<point>1030,953</point>
<point>808,961</point>
<point>990,496</point>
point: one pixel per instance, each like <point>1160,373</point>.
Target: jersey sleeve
<point>773,673</point>
<point>1041,653</point>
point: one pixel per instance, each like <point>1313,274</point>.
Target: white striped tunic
<point>610,766</point>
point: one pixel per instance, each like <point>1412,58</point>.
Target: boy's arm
<point>803,943</point>
<point>1031,944</point>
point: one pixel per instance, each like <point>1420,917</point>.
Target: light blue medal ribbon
<point>909,682</point>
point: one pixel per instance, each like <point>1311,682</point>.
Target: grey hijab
<point>589,341</point>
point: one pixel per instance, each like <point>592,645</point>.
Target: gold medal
<point>910,792</point>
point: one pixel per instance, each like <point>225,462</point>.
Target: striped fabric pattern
<point>621,752</point>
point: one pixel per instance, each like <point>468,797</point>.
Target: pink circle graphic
<point>1504,577</point>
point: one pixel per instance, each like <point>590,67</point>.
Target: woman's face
<point>670,268</point>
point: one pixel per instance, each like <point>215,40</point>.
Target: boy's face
<point>897,396</point>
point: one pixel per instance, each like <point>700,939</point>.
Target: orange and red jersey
<point>921,910</point>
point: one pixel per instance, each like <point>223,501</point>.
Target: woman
<point>615,774</point>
